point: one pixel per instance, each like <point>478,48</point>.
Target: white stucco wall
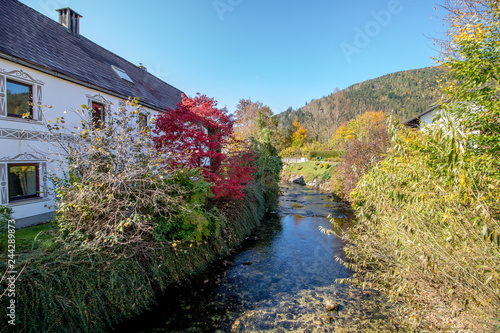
<point>427,118</point>
<point>19,138</point>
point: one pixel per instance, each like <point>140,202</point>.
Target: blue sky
<point>280,52</point>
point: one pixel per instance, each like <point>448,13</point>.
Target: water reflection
<point>281,280</point>
<point>299,257</point>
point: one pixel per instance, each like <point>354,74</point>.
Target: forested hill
<point>404,94</point>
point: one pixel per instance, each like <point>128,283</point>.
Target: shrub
<point>5,216</point>
<point>293,152</point>
<point>115,190</point>
<point>324,154</point>
<point>361,155</point>
<point>190,220</point>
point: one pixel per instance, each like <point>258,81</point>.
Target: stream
<point>280,280</point>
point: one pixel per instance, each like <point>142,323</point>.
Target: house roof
<point>34,40</point>
<point>415,121</point>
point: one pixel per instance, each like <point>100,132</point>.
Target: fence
<point>289,160</point>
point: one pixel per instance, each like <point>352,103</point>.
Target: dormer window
<point>121,73</point>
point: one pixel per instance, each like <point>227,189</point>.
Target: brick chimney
<point>70,19</point>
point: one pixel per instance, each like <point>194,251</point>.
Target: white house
<point>48,63</point>
<point>424,118</point>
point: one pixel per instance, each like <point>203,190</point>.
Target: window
<point>97,114</point>
<point>19,100</point>
<point>121,73</point>
<point>24,181</point>
<point>143,121</point>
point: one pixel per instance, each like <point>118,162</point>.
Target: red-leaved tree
<point>196,135</point>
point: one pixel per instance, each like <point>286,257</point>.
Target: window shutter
<point>37,112</point>
<point>3,96</point>
<point>4,186</point>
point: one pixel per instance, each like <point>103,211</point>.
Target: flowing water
<point>281,280</point>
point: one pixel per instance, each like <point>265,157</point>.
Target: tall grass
<point>75,289</point>
<point>428,229</point>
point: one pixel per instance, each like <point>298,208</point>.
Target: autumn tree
<point>251,118</point>
<point>256,126</point>
<point>340,137</point>
<point>196,135</point>
<point>299,134</point>
<point>256,122</point>
<point>364,128</point>
<point>365,138</point>
<point>325,115</point>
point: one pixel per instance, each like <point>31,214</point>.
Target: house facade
<point>47,70</point>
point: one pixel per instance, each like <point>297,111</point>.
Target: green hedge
<point>324,154</point>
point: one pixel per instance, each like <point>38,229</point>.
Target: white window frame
<point>22,159</point>
<point>98,98</point>
<point>25,79</point>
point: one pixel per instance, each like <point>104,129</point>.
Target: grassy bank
<point>65,289</point>
<point>310,170</point>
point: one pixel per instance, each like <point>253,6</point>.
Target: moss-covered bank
<point>75,290</point>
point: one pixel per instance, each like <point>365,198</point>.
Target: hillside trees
<point>403,94</point>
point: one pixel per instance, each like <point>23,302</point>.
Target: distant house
<point>425,117</point>
<point>43,62</point>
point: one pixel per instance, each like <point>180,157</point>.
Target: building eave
<point>417,117</point>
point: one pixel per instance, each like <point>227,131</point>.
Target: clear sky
<point>280,52</point>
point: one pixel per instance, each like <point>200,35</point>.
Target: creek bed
<point>281,280</point>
